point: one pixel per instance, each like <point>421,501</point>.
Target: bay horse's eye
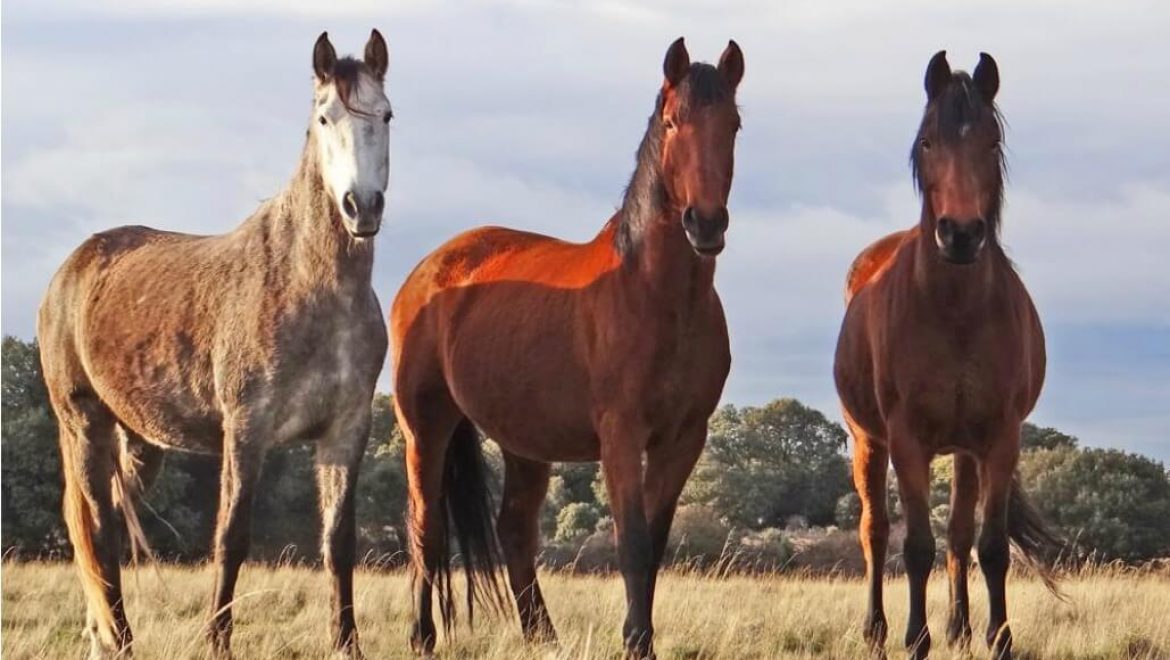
<point>668,123</point>
<point>387,117</point>
<point>322,120</point>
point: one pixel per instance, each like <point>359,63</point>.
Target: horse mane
<point>346,77</point>
<point>645,195</point>
<point>959,107</point>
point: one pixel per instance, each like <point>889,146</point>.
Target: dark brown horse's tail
<point>467,499</point>
<point>1036,541</point>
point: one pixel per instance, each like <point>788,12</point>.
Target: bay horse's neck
<point>303,228</point>
<point>962,291</point>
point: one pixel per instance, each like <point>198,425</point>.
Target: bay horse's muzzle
<point>960,242</point>
<point>362,212</point>
<point>705,233</point>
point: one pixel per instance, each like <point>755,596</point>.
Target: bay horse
<point>615,349</point>
<point>941,351</point>
<point>228,345</point>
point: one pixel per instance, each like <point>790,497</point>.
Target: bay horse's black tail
<point>1036,541</point>
<point>467,498</point>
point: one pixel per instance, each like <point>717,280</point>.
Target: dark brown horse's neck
<point>665,265</point>
<point>305,225</point>
<point>959,292</point>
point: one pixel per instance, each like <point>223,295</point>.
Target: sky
<point>186,114</point>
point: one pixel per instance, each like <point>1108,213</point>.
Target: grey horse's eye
<point>322,120</point>
<point>387,117</point>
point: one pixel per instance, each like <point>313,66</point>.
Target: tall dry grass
<point>282,612</point>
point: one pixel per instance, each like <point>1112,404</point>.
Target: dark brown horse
<point>942,352</point>
<point>228,345</point>
<point>615,349</point>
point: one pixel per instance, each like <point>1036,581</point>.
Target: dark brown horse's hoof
<point>958,633</point>
<point>422,639</point>
<point>875,631</point>
<point>999,640</point>
<point>918,644</point>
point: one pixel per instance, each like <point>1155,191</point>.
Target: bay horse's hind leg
<point>912,466</point>
<point>339,458</point>
<point>242,459</point>
<point>960,538</point>
<point>89,452</point>
<point>871,464</point>
<point>427,423</point>
<point>525,485</point>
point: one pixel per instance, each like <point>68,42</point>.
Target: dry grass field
<point>282,613</point>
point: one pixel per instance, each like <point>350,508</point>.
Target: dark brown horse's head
<point>957,158</point>
<point>699,119</point>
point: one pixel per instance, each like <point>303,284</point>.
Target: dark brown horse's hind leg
<point>237,488</point>
<point>89,451</point>
<point>871,464</point>
<point>518,527</point>
<point>339,458</point>
<point>960,538</point>
<point>428,424</point>
<point>912,466</point>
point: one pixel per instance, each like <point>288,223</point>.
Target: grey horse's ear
<point>376,57</point>
<point>938,75</point>
<point>986,77</point>
<point>324,57</point>
<point>677,63</point>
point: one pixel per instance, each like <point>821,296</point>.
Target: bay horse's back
<point>874,260</point>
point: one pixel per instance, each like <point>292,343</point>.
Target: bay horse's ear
<point>938,75</point>
<point>677,63</point>
<point>324,57</point>
<point>987,77</point>
<point>376,57</point>
<point>731,64</point>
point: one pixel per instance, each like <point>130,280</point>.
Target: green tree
<point>1109,502</point>
<point>1034,437</point>
<point>762,465</point>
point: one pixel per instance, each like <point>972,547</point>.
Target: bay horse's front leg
<point>668,465</point>
<point>871,465</point>
<point>996,474</point>
<point>912,465</point>
<point>242,458</point>
<point>339,458</point>
<point>622,444</point>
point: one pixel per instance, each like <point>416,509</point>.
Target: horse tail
<point>1032,536</point>
<point>467,500</point>
<point>134,470</point>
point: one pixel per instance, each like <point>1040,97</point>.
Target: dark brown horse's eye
<point>924,144</point>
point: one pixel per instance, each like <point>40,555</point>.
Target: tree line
<point>772,489</point>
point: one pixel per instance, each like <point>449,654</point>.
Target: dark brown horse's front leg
<point>912,465</point>
<point>621,461</point>
<point>238,476</point>
<point>960,538</point>
<point>994,552</point>
<point>338,460</point>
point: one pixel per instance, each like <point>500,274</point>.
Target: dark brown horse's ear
<point>938,75</point>
<point>324,57</point>
<point>677,63</point>
<point>376,57</point>
<point>987,77</point>
<point>731,64</point>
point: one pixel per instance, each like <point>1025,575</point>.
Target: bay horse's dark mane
<point>958,109</point>
<point>645,195</point>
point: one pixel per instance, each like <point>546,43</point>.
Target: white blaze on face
<point>353,150</point>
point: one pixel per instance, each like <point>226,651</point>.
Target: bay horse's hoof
<point>999,640</point>
<point>875,632</point>
<point>422,639</point>
<point>958,633</point>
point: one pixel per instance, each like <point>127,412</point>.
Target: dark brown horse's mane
<point>956,110</point>
<point>645,195</point>
<point>346,77</point>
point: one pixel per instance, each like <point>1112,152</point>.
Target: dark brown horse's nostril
<point>349,204</point>
<point>978,230</point>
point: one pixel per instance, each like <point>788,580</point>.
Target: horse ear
<point>324,57</point>
<point>987,77</point>
<point>677,63</point>
<point>376,57</point>
<point>731,64</point>
<point>938,75</point>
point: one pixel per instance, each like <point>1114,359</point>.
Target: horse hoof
<point>958,635</point>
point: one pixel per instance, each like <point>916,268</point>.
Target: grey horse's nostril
<point>349,205</point>
<point>379,203</point>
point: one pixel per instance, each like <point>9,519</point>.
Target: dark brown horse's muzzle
<point>705,232</point>
<point>960,242</point>
<point>362,212</point>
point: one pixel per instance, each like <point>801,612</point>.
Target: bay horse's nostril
<point>349,204</point>
<point>946,228</point>
<point>978,230</point>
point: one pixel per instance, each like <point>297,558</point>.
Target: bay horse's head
<point>350,127</point>
<point>699,120</point>
<point>957,158</point>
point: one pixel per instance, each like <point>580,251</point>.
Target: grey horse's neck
<point>302,228</point>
